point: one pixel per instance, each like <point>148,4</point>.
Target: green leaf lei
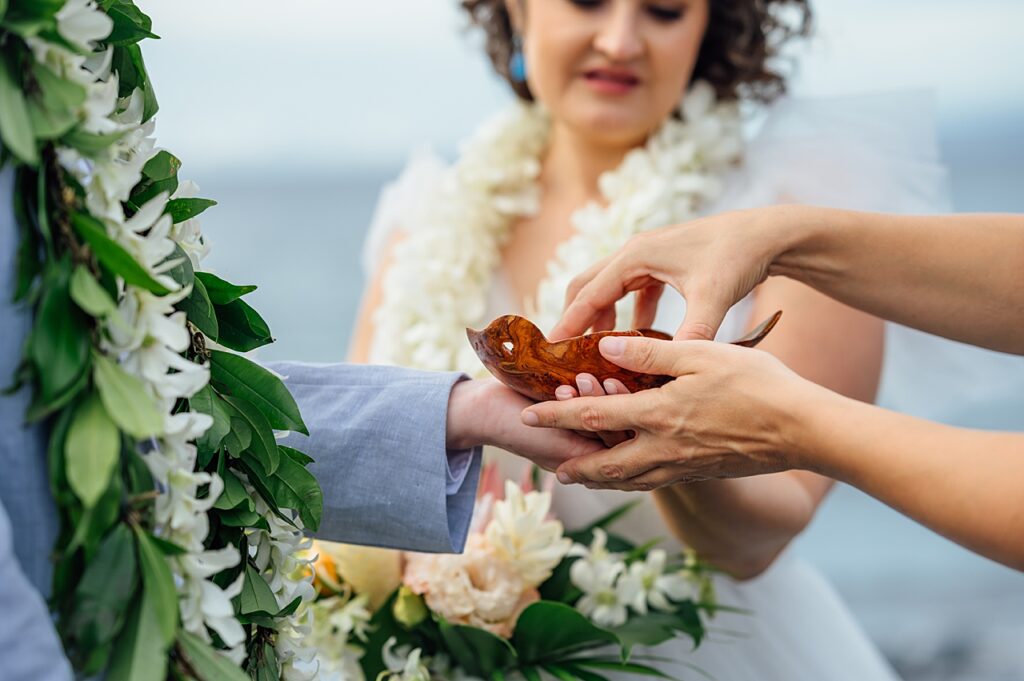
<point>173,495</point>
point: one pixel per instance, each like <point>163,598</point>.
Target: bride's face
<point>611,69</point>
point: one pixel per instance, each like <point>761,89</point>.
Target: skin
<point>956,276</point>
<point>484,412</point>
<point>739,525</point>
<point>741,412</point>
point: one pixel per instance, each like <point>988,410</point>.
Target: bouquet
<point>526,598</point>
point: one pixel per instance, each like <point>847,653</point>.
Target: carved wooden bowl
<point>519,355</point>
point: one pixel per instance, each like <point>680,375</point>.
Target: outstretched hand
<point>724,416</point>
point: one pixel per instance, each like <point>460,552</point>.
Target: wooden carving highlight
<point>518,355</point>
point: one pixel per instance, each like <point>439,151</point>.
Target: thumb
<point>703,317</point>
<point>645,355</point>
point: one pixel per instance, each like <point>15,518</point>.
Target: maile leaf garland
<point>171,487</point>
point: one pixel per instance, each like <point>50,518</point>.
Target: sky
<point>313,84</point>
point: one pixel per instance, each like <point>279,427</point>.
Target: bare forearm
<point>726,523</point>
<point>957,276</point>
<point>967,485</point>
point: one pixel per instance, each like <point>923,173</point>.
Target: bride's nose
<point>618,37</point>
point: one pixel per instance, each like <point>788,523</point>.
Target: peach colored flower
<point>477,588</point>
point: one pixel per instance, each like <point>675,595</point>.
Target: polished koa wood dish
<point>519,355</point>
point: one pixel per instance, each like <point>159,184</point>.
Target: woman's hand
<point>728,414</point>
<point>713,262</point>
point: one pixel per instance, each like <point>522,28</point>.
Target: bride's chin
<point>604,133</point>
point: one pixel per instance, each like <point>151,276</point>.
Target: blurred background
<point>293,115</point>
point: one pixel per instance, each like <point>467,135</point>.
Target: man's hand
<point>484,412</point>
<point>726,415</point>
<point>713,262</point>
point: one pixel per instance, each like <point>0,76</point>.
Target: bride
<point>601,146</point>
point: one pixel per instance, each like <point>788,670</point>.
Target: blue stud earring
<point>516,62</point>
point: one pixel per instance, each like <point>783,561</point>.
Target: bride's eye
<point>586,4</point>
<point>665,13</point>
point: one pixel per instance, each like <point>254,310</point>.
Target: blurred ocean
<point>938,611</point>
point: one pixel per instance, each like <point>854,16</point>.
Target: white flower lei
<point>147,337</point>
<point>439,280</point>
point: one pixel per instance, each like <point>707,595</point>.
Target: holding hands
<point>723,416</point>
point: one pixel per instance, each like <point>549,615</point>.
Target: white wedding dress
<point>873,153</point>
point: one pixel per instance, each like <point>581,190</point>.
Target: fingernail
<point>530,419</point>
<point>612,346</point>
<point>563,392</point>
<point>563,477</point>
<point>609,387</point>
<point>585,384</point>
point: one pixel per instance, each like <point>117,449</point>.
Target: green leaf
<point>131,69</point>
<point>477,651</point>
<point>89,295</point>
<point>130,25</point>
<point>158,586</point>
<point>91,144</point>
<point>241,327</point>
<point>530,673</point>
<point>15,125</point>
<point>57,94</point>
<point>50,124</point>
<point>559,673</point>
<point>249,381</point>
<point>92,524</point>
<point>263,446</point>
<point>113,256</point>
<point>583,674</point>
<point>140,654</point>
<point>163,166</point>
<point>206,662</point>
<point>222,292</point>
<point>55,461</point>
<point>296,455</point>
<point>29,17</point>
<point>126,399</point>
<point>625,667</point>
<point>241,517</point>
<point>30,247</point>
<point>234,494</point>
<point>60,339</point>
<point>209,402</point>
<point>3,9</point>
<point>105,592</point>
<point>181,271</point>
<point>645,630</point>
<point>91,450</point>
<point>168,548</point>
<point>199,310</point>
<point>256,597</point>
<point>547,630</point>
<point>292,486</point>
<point>606,520</point>
<point>181,210</point>
<point>239,436</point>
<point>269,669</point>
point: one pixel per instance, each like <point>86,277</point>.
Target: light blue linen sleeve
<point>29,647</point>
<point>378,438</point>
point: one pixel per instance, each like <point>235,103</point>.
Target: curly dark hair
<point>742,43</point>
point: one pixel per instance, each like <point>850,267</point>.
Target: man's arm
<point>29,647</point>
<point>397,451</point>
<point>378,437</point>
